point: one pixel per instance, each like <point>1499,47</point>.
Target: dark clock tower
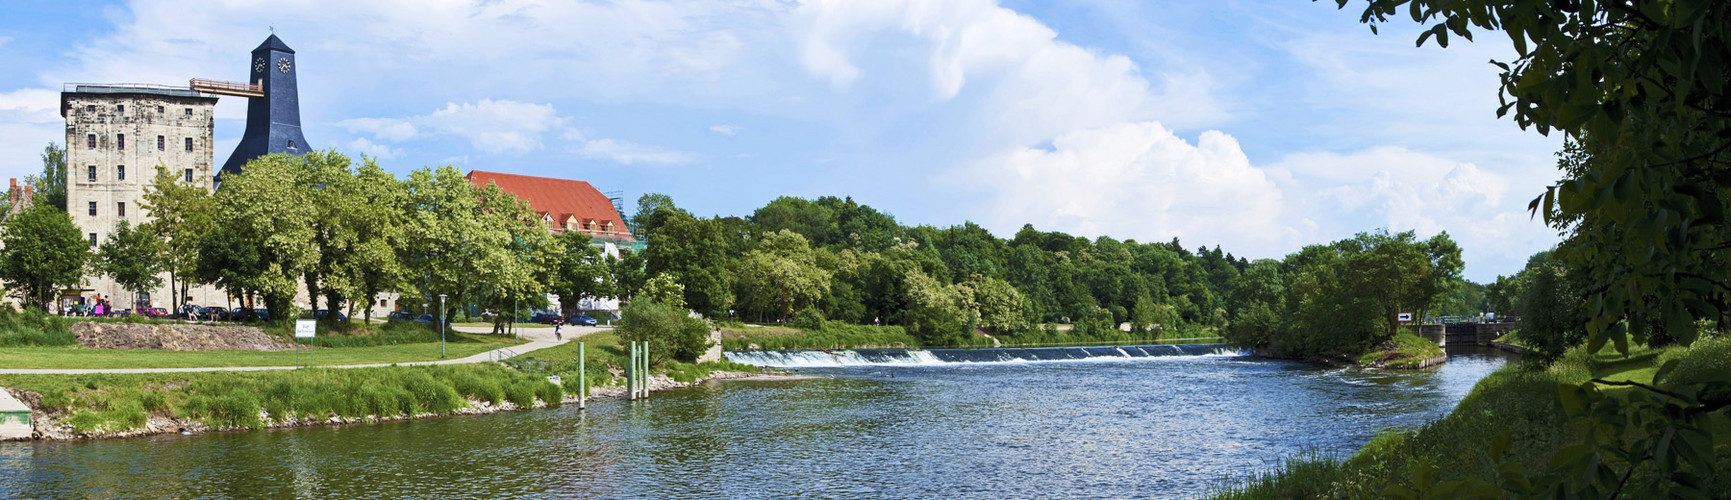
<point>273,122</point>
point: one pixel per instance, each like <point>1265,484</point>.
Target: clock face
<point>258,65</point>
<point>282,65</point>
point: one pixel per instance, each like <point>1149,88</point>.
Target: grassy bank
<point>605,353</point>
<point>1513,409</point>
<point>39,346</point>
<point>234,400</point>
<point>1405,350</point>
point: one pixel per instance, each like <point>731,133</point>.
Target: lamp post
<point>441,318</point>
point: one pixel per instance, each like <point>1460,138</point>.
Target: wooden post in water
<point>582,373</point>
<point>631,374</point>
<point>644,386</point>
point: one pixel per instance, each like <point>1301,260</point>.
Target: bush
<point>807,319</point>
<point>672,334</point>
<point>33,327</point>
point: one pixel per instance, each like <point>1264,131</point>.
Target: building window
<point>92,209</point>
<point>188,111</point>
<point>159,110</point>
<point>92,170</point>
<point>189,144</point>
<point>189,175</point>
<point>92,239</point>
<point>291,144</point>
<point>90,108</point>
<point>92,140</point>
<point>120,172</point>
<point>120,142</point>
<point>120,109</point>
<point>161,143</point>
<point>121,209</point>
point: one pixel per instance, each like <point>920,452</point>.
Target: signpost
<point>306,329</point>
<point>1403,317</point>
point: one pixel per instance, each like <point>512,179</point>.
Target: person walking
<point>557,324</point>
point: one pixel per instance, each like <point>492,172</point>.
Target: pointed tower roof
<point>274,43</point>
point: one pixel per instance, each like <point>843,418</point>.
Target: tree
<point>933,314</point>
<point>647,216</point>
<point>474,245</point>
<point>693,252</point>
<point>673,335</point>
<point>129,256</point>
<point>51,185</point>
<point>42,254</point>
<point>663,289</point>
<point>578,271</point>
<point>181,215</point>
<point>997,305</point>
<point>266,207</point>
<point>782,274</point>
<point>374,262</point>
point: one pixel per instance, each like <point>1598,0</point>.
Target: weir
<point>939,357</point>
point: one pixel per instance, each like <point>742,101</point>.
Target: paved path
<point>539,338</point>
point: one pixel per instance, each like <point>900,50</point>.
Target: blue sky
<point>1260,126</point>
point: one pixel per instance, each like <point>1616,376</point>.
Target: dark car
<point>543,318</point>
<point>324,313</point>
<point>217,313</point>
<point>400,316</point>
<point>426,318</point>
<point>262,314</point>
<point>580,319</point>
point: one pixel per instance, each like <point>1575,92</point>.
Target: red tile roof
<point>558,198</point>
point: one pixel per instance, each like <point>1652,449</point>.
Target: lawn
<point>459,345</point>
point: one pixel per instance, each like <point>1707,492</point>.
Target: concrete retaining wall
<point>14,418</point>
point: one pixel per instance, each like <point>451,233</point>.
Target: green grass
<point>228,400</point>
<point>1405,350</point>
<point>459,345</point>
<point>834,335</point>
<point>1515,399</point>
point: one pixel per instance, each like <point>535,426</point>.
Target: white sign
<point>1404,317</point>
<point>304,328</point>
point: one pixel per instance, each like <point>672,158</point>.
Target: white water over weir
<point>940,357</point>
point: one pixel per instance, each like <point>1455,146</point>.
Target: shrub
<point>807,319</point>
<point>672,334</point>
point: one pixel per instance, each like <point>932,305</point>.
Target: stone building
<point>116,137</point>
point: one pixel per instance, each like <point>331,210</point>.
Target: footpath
<point>539,338</point>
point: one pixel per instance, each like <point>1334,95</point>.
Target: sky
<point>1257,126</point>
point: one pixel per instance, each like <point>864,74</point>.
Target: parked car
<point>262,314</point>
<point>216,313</point>
<point>325,313</point>
<point>154,312</point>
<point>400,316</point>
<point>426,318</point>
<point>543,318</point>
<point>580,319</point>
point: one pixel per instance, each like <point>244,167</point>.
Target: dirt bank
<point>170,337</point>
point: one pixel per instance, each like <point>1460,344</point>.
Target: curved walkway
<point>539,338</point>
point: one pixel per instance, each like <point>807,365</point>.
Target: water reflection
<point>1135,428</point>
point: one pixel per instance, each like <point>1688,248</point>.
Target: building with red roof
<point>565,205</point>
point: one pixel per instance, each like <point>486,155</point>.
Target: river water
<point>1097,427</point>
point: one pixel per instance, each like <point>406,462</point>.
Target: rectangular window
<point>121,109</point>
<point>189,144</point>
<point>120,142</point>
<point>92,209</point>
<point>92,139</point>
<point>159,110</point>
<point>161,143</point>
<point>120,172</point>
<point>93,239</point>
<point>90,108</point>
<point>121,209</point>
<point>188,111</point>
<point>189,175</point>
<point>92,170</point>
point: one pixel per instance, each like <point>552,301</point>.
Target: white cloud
<point>363,146</point>
<point>492,126</point>
<point>31,106</point>
<point>1138,180</point>
<point>724,129</point>
<point>629,153</point>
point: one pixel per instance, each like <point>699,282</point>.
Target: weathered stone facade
<point>116,136</point>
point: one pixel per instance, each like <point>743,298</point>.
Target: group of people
<point>98,307</point>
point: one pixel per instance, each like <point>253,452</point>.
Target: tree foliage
<point>129,256</point>
<point>42,254</point>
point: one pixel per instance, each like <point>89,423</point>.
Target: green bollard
<point>582,376</point>
<point>631,374</point>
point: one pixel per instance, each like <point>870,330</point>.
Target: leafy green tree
<point>648,217</point>
<point>181,215</point>
<point>42,254</point>
<point>265,207</point>
<point>663,289</point>
<point>672,334</point>
<point>1556,320</point>
<point>997,305</point>
<point>578,271</point>
<point>373,262</point>
<point>933,313</point>
<point>230,262</point>
<point>782,274</point>
<point>129,256</point>
<point>694,252</point>
<point>474,245</point>
<point>50,187</point>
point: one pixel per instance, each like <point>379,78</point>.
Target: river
<point>1098,427</point>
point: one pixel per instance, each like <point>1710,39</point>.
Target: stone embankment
<point>175,337</point>
<point>53,426</point>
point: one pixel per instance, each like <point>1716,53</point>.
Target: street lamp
<point>441,326</point>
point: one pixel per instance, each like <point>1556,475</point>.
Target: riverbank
<point>1516,409</point>
<point>122,406</point>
